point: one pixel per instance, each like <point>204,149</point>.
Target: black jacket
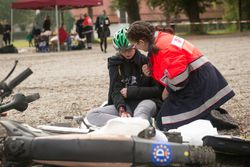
<point>102,26</point>
<point>1,29</point>
<point>79,26</point>
<point>128,73</point>
<point>46,25</point>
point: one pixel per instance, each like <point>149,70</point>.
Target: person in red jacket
<point>194,87</point>
<point>63,35</point>
<point>88,29</point>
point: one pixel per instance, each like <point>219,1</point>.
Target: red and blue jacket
<point>195,86</point>
<point>175,60</point>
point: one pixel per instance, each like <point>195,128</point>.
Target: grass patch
<point>97,40</point>
<point>219,32</point>
<point>21,43</point>
<point>24,43</point>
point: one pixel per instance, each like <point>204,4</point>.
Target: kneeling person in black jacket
<point>131,93</point>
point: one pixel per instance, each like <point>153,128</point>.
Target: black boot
<point>221,119</point>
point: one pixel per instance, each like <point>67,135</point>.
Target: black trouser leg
<point>5,42</point>
<point>101,43</point>
<point>8,41</point>
<point>105,44</point>
<point>89,40</point>
<point>8,38</point>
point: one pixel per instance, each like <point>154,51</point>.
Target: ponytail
<point>164,29</point>
<point>154,49</point>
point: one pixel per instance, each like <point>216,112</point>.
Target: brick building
<point>146,13</point>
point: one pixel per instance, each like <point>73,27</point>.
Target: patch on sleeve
<point>177,41</point>
<point>161,154</point>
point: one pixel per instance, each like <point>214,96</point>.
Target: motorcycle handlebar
<point>19,102</point>
<point>18,79</point>
<point>33,97</point>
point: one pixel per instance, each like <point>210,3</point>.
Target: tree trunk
<point>192,10</point>
<point>132,9</point>
<point>245,13</point>
<point>122,15</point>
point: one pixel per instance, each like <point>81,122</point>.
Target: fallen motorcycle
<point>19,101</point>
<point>27,146</point>
<point>24,145</point>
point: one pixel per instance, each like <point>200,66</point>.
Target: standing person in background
<point>102,27</point>
<point>6,33</point>
<point>88,30</point>
<point>79,30</point>
<point>46,32</point>
<point>1,35</point>
<point>46,24</point>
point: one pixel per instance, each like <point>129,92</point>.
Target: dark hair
<point>104,11</point>
<point>164,29</point>
<point>141,30</point>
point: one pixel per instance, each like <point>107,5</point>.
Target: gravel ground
<point>71,83</point>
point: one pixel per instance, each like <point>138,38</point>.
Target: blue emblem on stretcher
<point>161,154</point>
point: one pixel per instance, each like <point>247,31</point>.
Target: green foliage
<point>202,4</point>
<point>23,18</point>
<point>68,21</point>
<point>21,44</point>
<point>227,30</point>
<point>170,7</point>
<point>231,10</point>
<point>5,9</point>
<point>192,8</point>
<point>40,16</point>
<point>64,17</point>
<point>118,4</point>
<point>130,6</point>
<point>20,17</point>
<point>245,9</point>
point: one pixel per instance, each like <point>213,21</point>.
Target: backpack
<point>8,49</point>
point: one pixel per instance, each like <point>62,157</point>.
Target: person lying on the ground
<point>131,94</point>
<point>194,86</point>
